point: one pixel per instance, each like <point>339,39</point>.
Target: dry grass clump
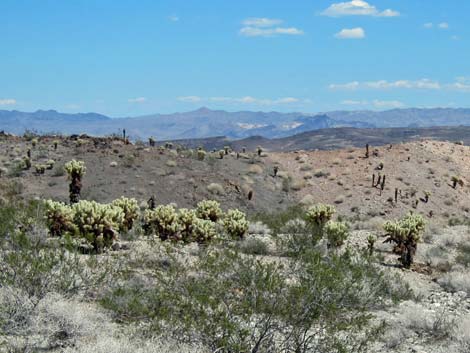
<point>458,280</point>
<point>215,188</point>
<point>320,173</point>
<point>171,163</point>
<point>255,169</point>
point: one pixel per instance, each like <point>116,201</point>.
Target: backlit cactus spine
<point>75,170</point>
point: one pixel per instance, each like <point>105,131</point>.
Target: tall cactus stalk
<point>75,170</point>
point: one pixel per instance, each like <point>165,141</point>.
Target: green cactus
<point>75,170</point>
<point>55,143</point>
<point>201,154</point>
<point>34,142</point>
<point>405,233</point>
<point>59,217</point>
<point>235,224</point>
<point>320,214</point>
<point>97,223</point>
<point>209,210</point>
<point>130,207</point>
<point>336,233</point>
<point>162,221</point>
<point>50,164</point>
<point>371,244</point>
<point>40,168</point>
<point>27,162</point>
<point>203,230</point>
<point>186,219</point>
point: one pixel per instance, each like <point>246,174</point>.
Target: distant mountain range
<point>204,123</point>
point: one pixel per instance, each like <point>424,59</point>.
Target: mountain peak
<point>203,110</point>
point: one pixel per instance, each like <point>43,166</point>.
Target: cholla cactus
<point>162,221</point>
<point>209,210</point>
<point>226,149</point>
<point>34,142</point>
<point>405,233</point>
<point>75,170</point>
<point>27,162</point>
<point>235,224</point>
<point>221,154</point>
<point>203,230</point>
<point>371,244</point>
<point>186,219</point>
<point>59,217</point>
<point>151,142</point>
<point>97,223</point>
<point>130,207</point>
<point>336,233</point>
<point>40,168</point>
<point>50,164</point>
<point>55,143</point>
<point>319,214</point>
<point>201,154</point>
<point>259,150</point>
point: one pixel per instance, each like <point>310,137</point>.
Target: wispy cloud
<point>248,100</point>
<point>353,33</point>
<point>173,18</point>
<point>7,101</point>
<point>137,100</point>
<point>381,104</point>
<point>190,99</point>
<point>266,27</point>
<point>261,22</point>
<point>357,8</point>
<point>384,84</point>
<point>442,25</point>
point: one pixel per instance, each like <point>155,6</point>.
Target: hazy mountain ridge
<point>203,123</point>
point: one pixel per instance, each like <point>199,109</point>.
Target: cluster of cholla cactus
<point>130,207</point>
<point>98,224</point>
<point>209,210</point>
<point>235,224</point>
<point>405,233</point>
<point>59,217</point>
<point>75,170</point>
<point>320,214</point>
<point>335,233</point>
<point>50,164</point>
<point>199,225</point>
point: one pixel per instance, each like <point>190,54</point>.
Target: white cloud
<point>384,84</point>
<point>354,102</point>
<point>443,25</point>
<point>345,86</point>
<point>261,22</point>
<point>266,27</point>
<point>428,25</point>
<point>454,37</point>
<point>269,32</point>
<point>173,18</point>
<point>357,8</point>
<point>7,101</point>
<point>375,103</point>
<point>190,99</point>
<point>387,104</point>
<point>137,100</point>
<point>353,33</point>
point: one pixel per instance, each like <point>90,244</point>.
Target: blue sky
<point>125,58</point>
